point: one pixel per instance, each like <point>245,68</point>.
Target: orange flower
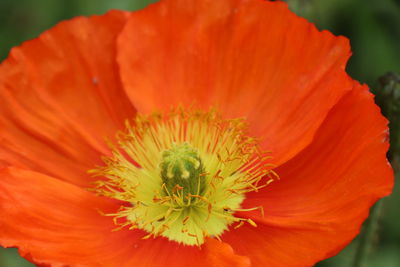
<point>262,151</point>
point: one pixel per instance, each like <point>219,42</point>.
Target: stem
<point>367,236</point>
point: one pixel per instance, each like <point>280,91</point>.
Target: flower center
<point>183,175</point>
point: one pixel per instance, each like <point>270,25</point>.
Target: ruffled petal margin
<point>56,223</point>
<point>61,96</point>
<point>325,192</point>
<point>249,58</point>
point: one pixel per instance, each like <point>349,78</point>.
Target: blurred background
<point>373,28</point>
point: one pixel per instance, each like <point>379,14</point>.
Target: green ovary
<point>181,167</point>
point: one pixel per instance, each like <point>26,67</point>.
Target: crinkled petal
<point>324,193</point>
<point>61,96</point>
<point>249,58</point>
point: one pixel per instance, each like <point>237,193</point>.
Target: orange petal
<point>61,95</point>
<point>219,253</point>
<point>326,191</point>
<point>160,252</point>
<point>51,221</point>
<point>252,59</point>
<point>57,223</point>
<point>282,247</point>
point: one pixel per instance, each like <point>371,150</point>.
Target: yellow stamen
<point>184,175</point>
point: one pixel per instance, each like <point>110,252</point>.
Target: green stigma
<point>182,169</point>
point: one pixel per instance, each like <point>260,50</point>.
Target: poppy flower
<point>190,133</point>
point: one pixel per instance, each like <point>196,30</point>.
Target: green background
<point>372,26</point>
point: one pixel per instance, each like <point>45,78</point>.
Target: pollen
<point>183,175</point>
